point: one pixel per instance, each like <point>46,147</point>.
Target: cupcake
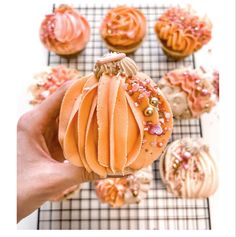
<point>65,31</point>
<point>115,120</point>
<point>46,82</point>
<point>188,169</point>
<point>123,29</point>
<point>182,32</point>
<point>131,189</point>
<point>190,92</point>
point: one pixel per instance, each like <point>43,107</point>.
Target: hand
<point>41,173</point>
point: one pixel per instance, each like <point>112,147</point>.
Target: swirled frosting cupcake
<point>115,120</point>
<point>181,32</point>
<point>123,29</point>
<point>65,31</point>
<point>190,92</point>
<point>188,169</point>
<point>131,189</point>
<point>46,82</point>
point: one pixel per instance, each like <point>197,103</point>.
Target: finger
<point>49,109</point>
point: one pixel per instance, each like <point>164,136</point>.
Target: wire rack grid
<point>160,210</point>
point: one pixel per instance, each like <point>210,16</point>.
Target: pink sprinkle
<point>155,129</point>
<point>147,81</point>
<point>205,92</point>
<point>187,155</point>
<point>185,166</point>
<point>147,93</point>
<point>153,143</point>
<point>140,96</point>
<point>130,92</point>
<point>135,87</point>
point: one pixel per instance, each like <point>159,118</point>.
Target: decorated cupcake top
<point>126,190</point>
<point>123,26</point>
<point>115,120</point>
<point>64,31</point>
<point>182,30</point>
<point>188,169</point>
<point>191,92</point>
<point>46,82</point>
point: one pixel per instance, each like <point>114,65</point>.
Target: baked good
<point>190,92</point>
<point>188,170</point>
<point>131,189</point>
<point>123,29</point>
<point>115,120</point>
<point>182,32</point>
<point>65,31</point>
<point>47,81</point>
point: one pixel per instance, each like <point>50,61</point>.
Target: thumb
<point>76,175</point>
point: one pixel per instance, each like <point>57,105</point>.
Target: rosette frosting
<point>188,169</point>
<point>190,92</point>
<point>123,26</point>
<point>115,120</point>
<point>182,31</point>
<point>64,31</point>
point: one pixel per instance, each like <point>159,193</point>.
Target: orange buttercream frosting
<point>65,31</point>
<point>124,26</point>
<point>115,120</point>
<point>182,31</point>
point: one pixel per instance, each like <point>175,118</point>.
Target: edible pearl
<point>154,101</point>
<point>148,112</point>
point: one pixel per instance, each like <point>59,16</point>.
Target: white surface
<point>36,57</point>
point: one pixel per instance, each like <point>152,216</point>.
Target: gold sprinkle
<point>148,112</point>
<point>154,101</point>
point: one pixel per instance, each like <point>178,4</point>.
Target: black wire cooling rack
<point>160,210</point>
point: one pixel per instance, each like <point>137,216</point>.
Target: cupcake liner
<point>172,54</point>
<point>126,50</point>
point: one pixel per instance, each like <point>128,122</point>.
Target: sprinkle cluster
<point>141,89</point>
<point>48,82</point>
<point>189,22</point>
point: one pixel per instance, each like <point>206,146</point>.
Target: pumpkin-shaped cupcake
<point>182,32</point>
<point>65,31</point>
<point>123,29</point>
<point>115,120</point>
<point>188,169</point>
